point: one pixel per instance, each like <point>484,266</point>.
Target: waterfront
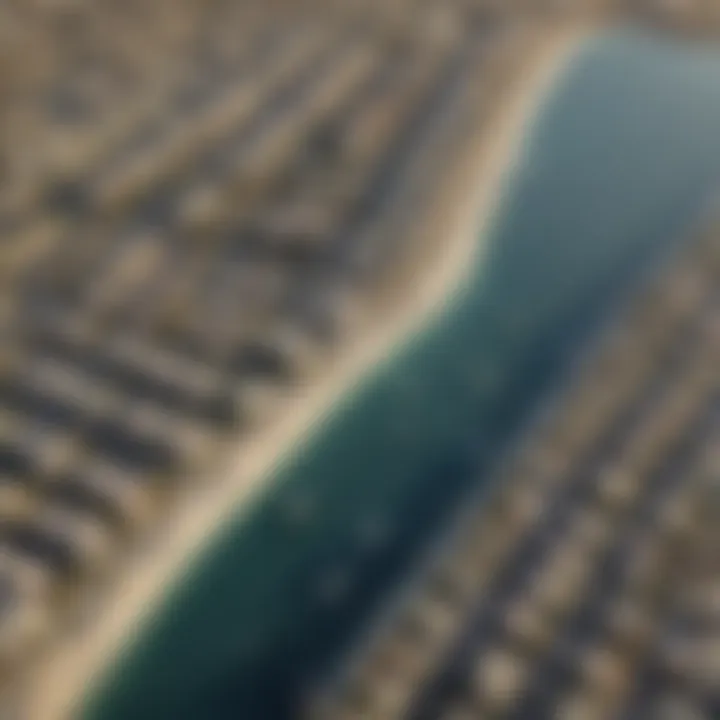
<point>620,160</point>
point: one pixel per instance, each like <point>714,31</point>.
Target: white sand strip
<point>73,666</point>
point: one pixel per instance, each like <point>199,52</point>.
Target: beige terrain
<point>450,229</point>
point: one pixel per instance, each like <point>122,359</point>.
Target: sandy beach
<point>448,250</point>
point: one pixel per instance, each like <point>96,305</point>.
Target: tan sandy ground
<point>450,248</point>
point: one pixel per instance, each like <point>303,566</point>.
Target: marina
<point>451,397</point>
<point>282,285</point>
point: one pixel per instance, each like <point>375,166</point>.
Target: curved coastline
<point>149,581</point>
<point>649,179</point>
<point>391,443</point>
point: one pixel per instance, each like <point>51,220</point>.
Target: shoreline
<point>145,581</point>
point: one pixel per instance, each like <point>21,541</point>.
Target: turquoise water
<point>618,163</point>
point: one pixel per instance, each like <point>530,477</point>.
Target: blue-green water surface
<point>618,163</point>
